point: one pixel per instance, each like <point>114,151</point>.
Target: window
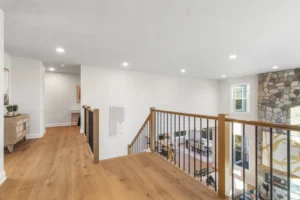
<point>204,133</point>
<point>238,151</point>
<point>241,98</point>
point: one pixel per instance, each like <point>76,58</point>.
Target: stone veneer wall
<point>277,93</point>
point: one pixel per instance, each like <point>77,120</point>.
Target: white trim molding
<point>2,177</point>
<point>82,131</point>
<point>34,136</point>
<point>58,124</point>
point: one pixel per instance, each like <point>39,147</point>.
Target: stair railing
<point>215,150</point>
<point>141,141</point>
<point>91,130</point>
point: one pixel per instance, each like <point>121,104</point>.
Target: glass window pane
<point>238,105</point>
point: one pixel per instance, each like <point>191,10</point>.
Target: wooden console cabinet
<point>15,129</point>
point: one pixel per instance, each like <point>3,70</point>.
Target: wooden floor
<point>59,167</point>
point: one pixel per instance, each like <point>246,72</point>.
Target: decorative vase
<point>10,114</point>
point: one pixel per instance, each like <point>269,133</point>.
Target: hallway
<point>59,166</point>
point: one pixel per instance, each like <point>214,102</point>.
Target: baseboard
<point>2,177</point>
<point>58,124</point>
<point>81,131</point>
<point>34,136</point>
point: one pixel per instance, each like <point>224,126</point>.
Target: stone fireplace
<point>278,95</point>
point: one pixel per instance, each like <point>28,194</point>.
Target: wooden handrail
<point>140,131</point>
<point>247,122</point>
<point>265,124</point>
<point>188,114</point>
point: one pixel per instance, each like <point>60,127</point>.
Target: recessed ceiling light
<point>51,69</point>
<point>125,64</point>
<point>223,76</point>
<point>183,70</point>
<point>275,67</point>
<point>62,65</point>
<point>232,56</point>
<point>60,50</point>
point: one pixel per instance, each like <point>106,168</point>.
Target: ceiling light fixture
<point>125,64</point>
<point>232,56</point>
<point>183,70</point>
<point>51,69</point>
<point>60,50</point>
<point>275,67</point>
<point>223,76</point>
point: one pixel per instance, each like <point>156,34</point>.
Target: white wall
<point>137,92</point>
<point>27,92</point>
<point>61,96</point>
<point>225,107</point>
<point>2,172</point>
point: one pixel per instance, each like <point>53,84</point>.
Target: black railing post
<point>175,161</point>
<point>189,146</point>
<point>216,155</point>
<point>271,163</point>
<point>256,150</point>
<point>179,140</point>
<point>184,144</point>
<point>207,150</point>
<point>201,150</point>
<point>288,164</point>
<point>168,136</point>
<point>244,171</point>
<point>232,159</point>
<point>194,147</point>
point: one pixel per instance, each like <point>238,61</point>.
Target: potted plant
<point>15,110</point>
<point>9,110</point>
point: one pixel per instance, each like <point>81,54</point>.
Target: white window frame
<point>248,109</point>
<point>242,152</point>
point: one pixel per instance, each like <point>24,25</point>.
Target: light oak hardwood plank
<point>60,166</point>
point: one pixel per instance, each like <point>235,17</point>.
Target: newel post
<point>223,156</point>
<point>152,129</point>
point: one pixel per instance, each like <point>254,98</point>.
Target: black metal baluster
<point>179,141</point>
<point>271,163</point>
<point>137,142</point>
<point>256,150</point>
<point>232,160</point>
<point>184,143</point>
<point>189,145</point>
<point>168,136</point>
<point>216,155</point>
<point>288,164</point>
<point>160,134</point>
<point>207,151</point>
<point>171,127</point>
<point>175,141</point>
<point>165,134</point>
<point>162,143</point>
<point>144,137</point>
<point>200,150</point>
<point>147,135</point>
<point>157,131</point>
<point>194,147</point>
<point>244,153</point>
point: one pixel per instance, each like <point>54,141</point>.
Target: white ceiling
<point>73,69</point>
<point>158,35</point>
